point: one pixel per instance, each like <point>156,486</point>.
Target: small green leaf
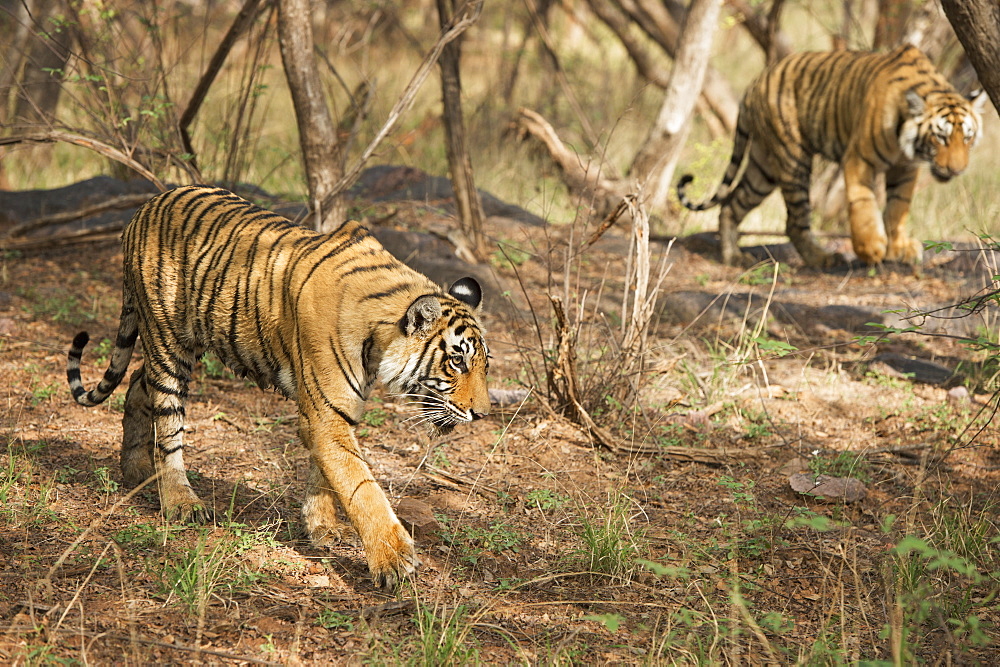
<point>611,621</point>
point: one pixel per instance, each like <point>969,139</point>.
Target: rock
<point>959,397</point>
<point>919,370</point>
<point>826,487</point>
<point>505,397</point>
<point>794,465</point>
<point>418,517</point>
<point>685,307</point>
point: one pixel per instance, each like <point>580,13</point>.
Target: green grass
<point>841,464</point>
<point>928,586</point>
<point>213,568</point>
<point>25,490</point>
<point>609,544</point>
<point>443,637</point>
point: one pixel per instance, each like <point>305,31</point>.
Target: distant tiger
<point>870,112</point>
<point>319,317</point>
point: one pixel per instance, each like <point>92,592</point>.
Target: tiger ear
<point>978,99</point>
<point>915,104</point>
<point>421,315</point>
<point>467,290</point>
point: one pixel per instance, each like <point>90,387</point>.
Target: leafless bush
<point>603,389</point>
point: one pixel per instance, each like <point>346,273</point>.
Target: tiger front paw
<point>180,503</point>
<point>188,510</point>
<point>905,250</point>
<point>392,556</point>
<point>870,249</point>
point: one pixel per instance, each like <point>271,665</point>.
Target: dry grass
<point>551,551</point>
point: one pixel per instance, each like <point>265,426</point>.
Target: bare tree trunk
<point>893,16</point>
<point>977,24</point>
<point>15,29</point>
<point>662,27</point>
<point>764,28</point>
<point>16,32</point>
<point>45,61</point>
<point>658,157</point>
<point>317,134</point>
<point>467,202</point>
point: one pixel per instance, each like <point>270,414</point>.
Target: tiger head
<point>441,359</point>
<point>941,129</point>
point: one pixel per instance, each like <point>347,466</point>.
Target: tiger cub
<point>319,317</point>
<point>870,112</point>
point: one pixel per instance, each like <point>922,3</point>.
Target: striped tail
<point>128,333</point>
<point>731,178</point>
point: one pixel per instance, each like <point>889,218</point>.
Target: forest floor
<point>685,544</point>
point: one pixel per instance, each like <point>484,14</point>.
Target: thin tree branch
<point>401,106</point>
<point>243,19</point>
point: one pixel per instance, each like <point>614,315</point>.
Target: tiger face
<point>441,360</point>
<point>944,136</point>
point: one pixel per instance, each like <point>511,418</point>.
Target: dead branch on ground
<point>96,145</point>
<point>55,219</point>
<point>584,179</point>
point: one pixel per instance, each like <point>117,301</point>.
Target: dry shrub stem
<point>641,306</point>
<point>562,380</point>
<point>246,16</point>
<point>620,382</point>
<point>46,582</point>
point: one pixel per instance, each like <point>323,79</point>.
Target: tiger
<point>320,318</point>
<point>870,112</point>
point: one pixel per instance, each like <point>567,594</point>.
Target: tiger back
<point>322,318</point>
<point>872,113</point>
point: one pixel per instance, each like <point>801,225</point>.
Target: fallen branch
<point>96,145</point>
<point>459,482</point>
<point>581,178</point>
<point>105,233</point>
<point>707,456</point>
<point>122,201</point>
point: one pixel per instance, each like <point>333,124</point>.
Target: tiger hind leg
<point>729,238</point>
<point>798,227</point>
<point>137,463</point>
<point>747,195</point>
<point>166,389</point>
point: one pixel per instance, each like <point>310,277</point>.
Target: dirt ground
<point>708,555</point>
